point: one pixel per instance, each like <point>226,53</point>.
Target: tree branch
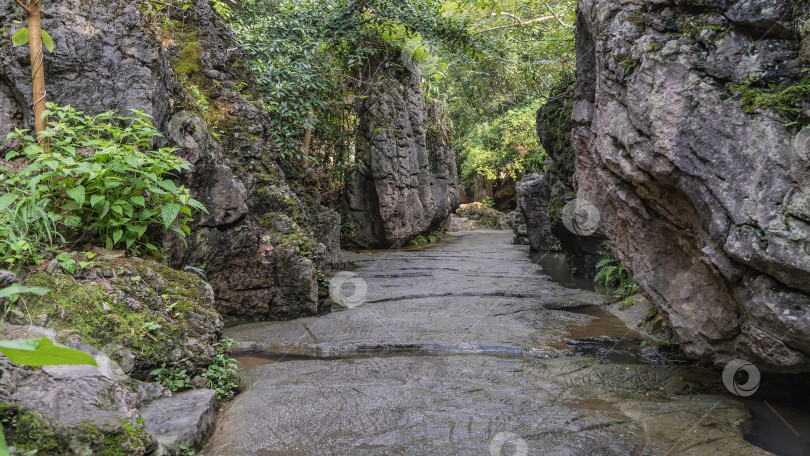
<point>27,10</point>
<point>520,24</point>
<point>555,15</point>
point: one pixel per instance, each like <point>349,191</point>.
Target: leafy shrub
<point>503,146</point>
<point>26,224</point>
<point>221,374</point>
<point>100,177</point>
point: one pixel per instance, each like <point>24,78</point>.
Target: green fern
<point>611,273</point>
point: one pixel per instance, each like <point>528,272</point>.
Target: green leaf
<point>7,199</point>
<point>138,201</point>
<point>17,289</point>
<point>77,194</point>
<point>117,235</point>
<point>3,445</point>
<point>72,221</point>
<point>168,213</point>
<point>138,230</point>
<point>95,199</point>
<point>104,209</point>
<point>47,41</point>
<point>21,37</point>
<point>42,352</point>
<point>168,185</point>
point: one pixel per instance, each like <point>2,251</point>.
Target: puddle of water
<point>555,266</point>
<point>605,338</point>
<point>781,428</point>
<point>260,358</point>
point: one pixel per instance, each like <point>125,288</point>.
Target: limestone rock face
<point>406,181</point>
<point>706,204</point>
<point>110,56</point>
<point>546,199</point>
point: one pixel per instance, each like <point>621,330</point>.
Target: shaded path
<point>458,348</point>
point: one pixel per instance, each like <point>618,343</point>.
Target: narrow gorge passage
<point>461,349</point>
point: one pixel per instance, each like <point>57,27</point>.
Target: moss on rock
<point>27,430</point>
<point>158,313</point>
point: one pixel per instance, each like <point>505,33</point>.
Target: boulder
<point>71,410</point>
<point>185,419</point>
<point>139,312</point>
<point>405,183</point>
<point>703,197</point>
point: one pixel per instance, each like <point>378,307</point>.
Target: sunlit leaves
<point>21,37</point>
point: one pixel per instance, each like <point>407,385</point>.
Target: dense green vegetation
<point>493,100</point>
<point>489,63</point>
<point>98,182</point>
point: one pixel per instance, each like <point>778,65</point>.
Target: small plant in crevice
<point>222,372</point>
<point>172,378</point>
<point>9,296</point>
<point>611,273</point>
<point>184,450</point>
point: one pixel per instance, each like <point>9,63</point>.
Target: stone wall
<point>704,198</point>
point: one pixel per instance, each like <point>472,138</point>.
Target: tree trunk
<point>37,68</point>
<point>308,137</point>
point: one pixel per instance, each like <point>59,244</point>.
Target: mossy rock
<point>27,429</point>
<point>160,314</point>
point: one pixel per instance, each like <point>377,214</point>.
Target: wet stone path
<point>464,348</point>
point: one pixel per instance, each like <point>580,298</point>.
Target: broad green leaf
<point>168,212</point>
<point>42,352</point>
<point>127,208</point>
<point>104,209</point>
<point>17,289</point>
<point>117,235</point>
<point>47,41</point>
<point>138,201</point>
<point>77,193</point>
<point>21,37</point>
<point>139,230</point>
<point>168,185</point>
<point>95,199</point>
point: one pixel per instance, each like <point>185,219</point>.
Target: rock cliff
<point>406,181</point>
<point>688,139</point>
<point>546,200</point>
<point>266,236</point>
